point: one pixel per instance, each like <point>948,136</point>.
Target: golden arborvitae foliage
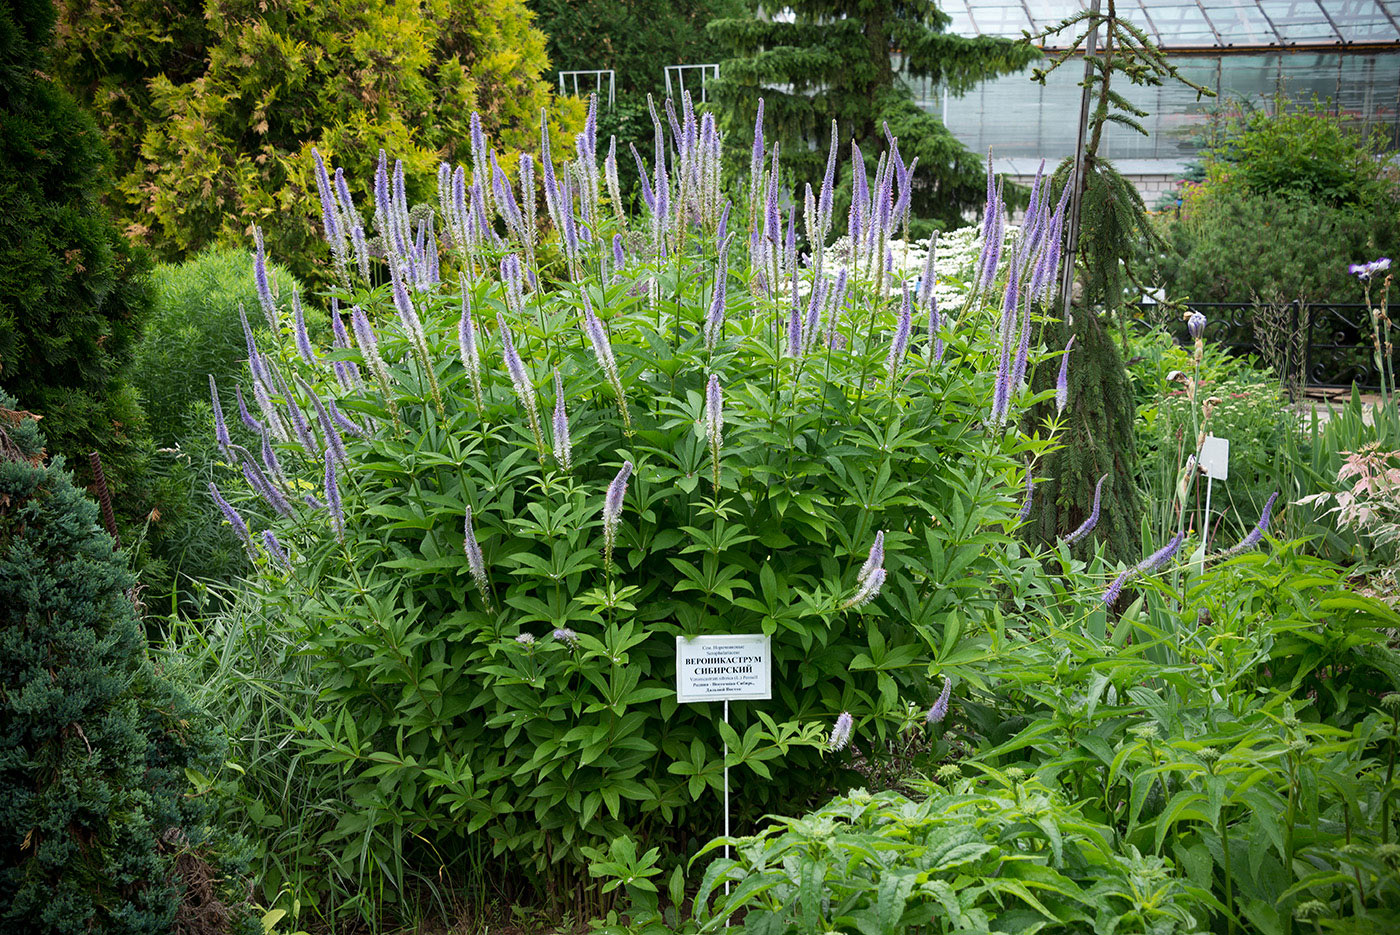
<point>226,142</point>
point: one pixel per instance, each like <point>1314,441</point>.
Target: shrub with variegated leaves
<point>495,501</point>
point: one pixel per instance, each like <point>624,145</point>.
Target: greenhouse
<point>1248,52</point>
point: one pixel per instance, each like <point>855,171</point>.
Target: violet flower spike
<point>1115,590</point>
<point>520,380</point>
<point>335,446</point>
<point>1088,525</point>
<point>841,732</point>
<point>1158,559</point>
<point>1062,381</point>
<point>269,307</point>
<point>900,343</point>
<point>612,508</point>
<point>220,429</point>
<point>714,414</point>
<point>244,415</point>
<point>343,423</point>
<point>619,254</point>
<point>561,424</point>
<point>1025,511</point>
<point>274,549</point>
<point>303,340</point>
<point>333,503</point>
<point>940,707</point>
<point>467,345</point>
<point>1257,533</point>
<point>566,636</point>
<point>476,561</point>
<point>874,561</point>
<point>714,321</point>
<point>240,528</point>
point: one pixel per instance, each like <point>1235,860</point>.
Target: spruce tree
<point>833,62</point>
<point>72,295</point>
<point>1113,234</point>
<point>94,741</point>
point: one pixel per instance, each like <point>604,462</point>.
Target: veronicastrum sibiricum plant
<point>730,434</point>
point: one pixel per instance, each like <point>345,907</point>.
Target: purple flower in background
<point>714,321</point>
<point>274,548</point>
<point>346,373</point>
<point>612,508</point>
<point>408,316</point>
<point>303,340</point>
<point>511,280</point>
<point>520,379</point>
<point>714,414</point>
<point>1062,381</point>
<point>900,343</point>
<point>1026,504</point>
<point>1196,325</point>
<point>335,447</point>
<point>1088,525</point>
<point>369,349</point>
<point>269,307</point>
<point>794,328</point>
<point>1257,533</point>
<point>234,520</point>
<point>333,500</point>
<point>476,562</point>
<point>602,350</point>
<point>841,732</point>
<point>274,466</point>
<point>1364,271</point>
<point>875,560</point>
<point>344,424</point>
<point>1159,558</point>
<point>1153,562</point>
<point>619,254</point>
<point>721,231</point>
<point>561,424</point>
<point>1023,348</point>
<point>220,429</point>
<point>1001,398</point>
<point>940,707</point>
<point>466,344</point>
<point>257,480</point>
<point>566,636</point>
<point>1115,590</point>
<point>811,328</point>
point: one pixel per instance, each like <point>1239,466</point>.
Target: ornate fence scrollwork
<point>1324,344</point>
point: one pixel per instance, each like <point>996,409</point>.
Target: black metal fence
<point>1322,345</point>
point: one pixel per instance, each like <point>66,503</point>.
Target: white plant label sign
<point>731,667</point>
<point>1215,458</point>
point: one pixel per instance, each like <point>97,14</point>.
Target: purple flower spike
<point>1158,559</point>
<point>220,429</point>
<point>841,732</point>
<point>612,508</point>
<point>274,549</point>
<point>561,424</point>
<point>333,500</point>
<point>244,415</point>
<point>1062,381</point>
<point>1026,504</point>
<point>940,707</point>
<point>1110,597</point>
<point>303,340</point>
<point>234,520</point>
<point>619,254</point>
<point>900,343</point>
<point>875,560</point>
<point>476,561</point>
<point>1257,533</point>
<point>1088,525</point>
<point>714,414</point>
<point>269,307</point>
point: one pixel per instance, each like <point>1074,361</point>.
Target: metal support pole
<point>1077,178</point>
